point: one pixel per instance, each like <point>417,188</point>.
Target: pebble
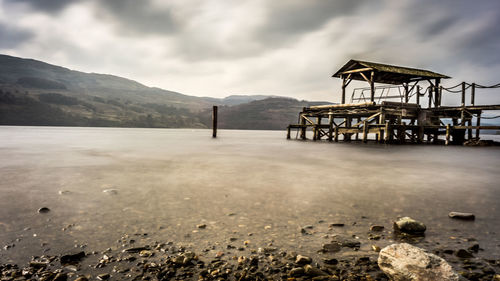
<point>201,226</point>
<point>314,271</point>
<point>104,276</point>
<point>302,260</point>
<point>297,272</point>
<point>463,254</point>
<point>462,216</point>
<point>331,247</point>
<point>336,225</point>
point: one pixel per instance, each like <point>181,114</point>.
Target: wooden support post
<point>447,134</point>
<point>463,93</point>
<point>372,86</point>
<point>318,129</point>
<point>288,133</point>
<point>214,122</point>
<point>478,123</point>
<point>436,94</point>
<point>357,133</point>
<point>387,132</point>
<point>365,131</point>
<point>344,85</point>
<point>381,121</point>
<point>440,95</point>
<point>469,131</point>
<point>473,94</point>
<point>402,136</point>
<point>430,95</point>
<point>303,128</point>
<point>405,86</point>
<point>330,128</point>
<point>336,133</point>
<point>418,94</point>
<point>348,122</point>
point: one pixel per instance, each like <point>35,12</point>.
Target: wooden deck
<point>391,123</point>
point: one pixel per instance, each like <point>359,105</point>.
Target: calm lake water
<point>245,185</point>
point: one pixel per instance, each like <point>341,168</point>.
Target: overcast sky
<point>224,47</point>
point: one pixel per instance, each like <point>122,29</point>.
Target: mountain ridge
<point>33,92</point>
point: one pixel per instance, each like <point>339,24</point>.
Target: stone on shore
<point>409,263</point>
<point>409,226</point>
<point>314,271</point>
<point>462,216</point>
<point>302,260</point>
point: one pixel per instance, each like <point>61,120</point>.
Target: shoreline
<point>136,257</point>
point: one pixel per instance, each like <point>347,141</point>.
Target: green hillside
<point>36,93</point>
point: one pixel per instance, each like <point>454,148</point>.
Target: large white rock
<point>404,262</point>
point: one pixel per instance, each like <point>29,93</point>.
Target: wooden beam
<point>478,124</point>
<point>472,93</point>
<point>418,95</point>
<point>330,127</point>
<point>357,70</point>
<point>463,93</point>
<point>405,86</point>
<point>366,119</point>
<point>372,86</point>
<point>365,131</point>
<point>343,90</point>
<point>447,134</point>
<point>436,94</point>
<point>364,77</point>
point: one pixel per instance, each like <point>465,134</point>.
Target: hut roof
<point>385,73</point>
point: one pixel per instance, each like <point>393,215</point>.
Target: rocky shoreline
<point>133,259</point>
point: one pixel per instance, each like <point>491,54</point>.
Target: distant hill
<point>36,93</point>
<point>239,99</point>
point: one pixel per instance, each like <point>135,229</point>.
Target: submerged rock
<point>410,226</point>
<point>72,258</point>
<point>376,228</point>
<point>43,210</point>
<point>464,254</point>
<point>110,191</point>
<point>404,262</point>
<point>462,216</point>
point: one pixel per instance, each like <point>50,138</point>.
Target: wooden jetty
<point>416,117</point>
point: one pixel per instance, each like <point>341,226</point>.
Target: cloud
<point>49,6</point>
<point>139,18</point>
<point>12,37</point>
<point>221,47</point>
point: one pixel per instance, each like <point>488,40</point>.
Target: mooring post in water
<point>447,134</point>
<point>214,122</point>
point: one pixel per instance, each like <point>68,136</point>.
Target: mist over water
<point>167,181</point>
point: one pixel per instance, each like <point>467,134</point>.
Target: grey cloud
<point>49,6</point>
<point>288,20</point>
<point>139,17</point>
<point>449,22</point>
<point>12,37</point>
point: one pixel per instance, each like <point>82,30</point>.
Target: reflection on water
<point>247,185</point>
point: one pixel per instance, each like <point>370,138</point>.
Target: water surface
<point>253,186</point>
